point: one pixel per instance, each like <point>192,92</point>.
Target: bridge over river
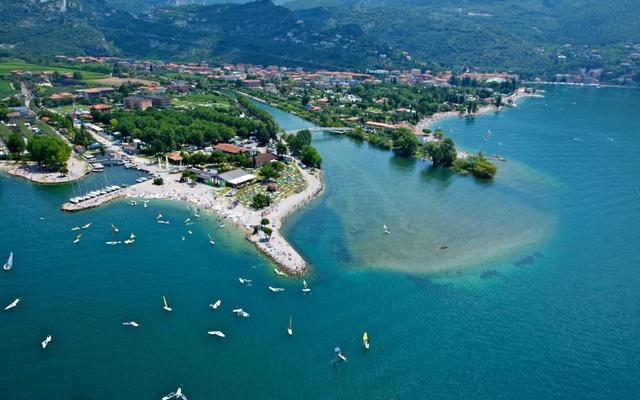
<point>320,129</point>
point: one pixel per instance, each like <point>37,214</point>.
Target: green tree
<point>260,200</point>
<point>269,171</point>
<point>15,143</point>
<point>158,181</point>
<point>281,148</point>
<point>264,221</point>
<point>77,76</point>
<point>405,142</point>
<point>311,157</point>
<point>267,231</point>
<point>49,151</point>
<point>442,153</point>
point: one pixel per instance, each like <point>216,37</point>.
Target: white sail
<point>9,264</point>
<point>13,304</point>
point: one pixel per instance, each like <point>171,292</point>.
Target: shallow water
<point>557,314</point>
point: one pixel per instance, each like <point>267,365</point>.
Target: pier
<point>86,202</point>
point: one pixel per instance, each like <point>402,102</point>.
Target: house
<point>180,87</point>
<point>101,108</point>
<point>21,114</point>
<point>174,157</point>
<point>206,177</point>
<point>137,103</point>
<point>93,94</point>
<point>234,178</point>
<point>159,100</point>
<point>263,158</point>
<point>378,125</point>
<point>230,148</point>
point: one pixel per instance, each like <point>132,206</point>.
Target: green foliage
<point>298,141</point>
<point>442,153</point>
<point>260,201</point>
<point>405,142</point>
<point>267,231</point>
<point>281,148</point>
<point>476,165</point>
<point>158,181</point>
<point>264,221</point>
<point>15,143</point>
<point>169,129</point>
<point>49,151</point>
<point>271,170</point>
<point>310,157</point>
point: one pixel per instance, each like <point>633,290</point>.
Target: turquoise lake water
<point>537,296</point>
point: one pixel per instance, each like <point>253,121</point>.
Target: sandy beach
<point>209,199</point>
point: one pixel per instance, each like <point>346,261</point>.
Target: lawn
<point>68,109</point>
<point>6,90</point>
<point>202,100</point>
<point>6,66</point>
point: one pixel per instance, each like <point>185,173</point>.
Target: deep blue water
<point>537,296</point>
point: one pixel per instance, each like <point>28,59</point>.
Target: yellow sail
<point>365,337</point>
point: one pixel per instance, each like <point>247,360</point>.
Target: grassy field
<point>6,90</point>
<point>202,100</point>
<point>68,109</point>
<point>6,66</point>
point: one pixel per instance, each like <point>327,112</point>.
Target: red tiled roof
<point>230,148</point>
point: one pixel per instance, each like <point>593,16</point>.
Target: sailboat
<point>340,354</point>
<point>177,395</point>
<point>132,238</point>
<point>9,264</point>
<point>77,239</point>
<point>10,306</point>
<point>244,280</point>
<point>163,222</point>
<point>186,221</point>
<point>114,228</point>
<point>216,333</point>
<point>159,216</point>
<point>166,305</point>
<point>146,203</point>
<point>131,323</point>
<point>113,242</point>
<point>278,272</point>
<point>365,340</point>
<point>216,304</point>
<point>305,289</point>
<point>290,329</point>
<point>46,341</point>
<point>189,232</point>
<point>87,225</point>
<point>241,313</point>
<point>276,289</point>
<point>386,230</point>
<point>211,240</point>
<point>75,228</point>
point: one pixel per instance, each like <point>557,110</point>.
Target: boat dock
<point>94,199</point>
